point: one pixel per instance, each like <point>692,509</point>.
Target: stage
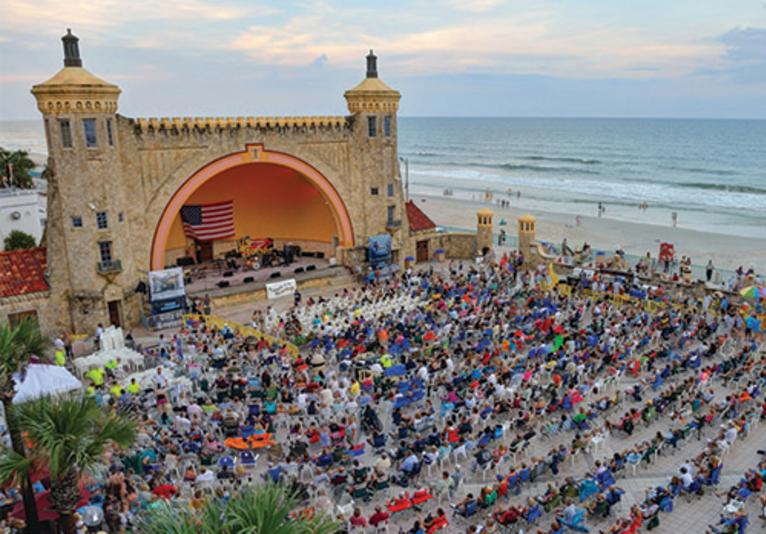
<point>211,278</point>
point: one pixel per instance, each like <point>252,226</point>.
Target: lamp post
<point>406,162</point>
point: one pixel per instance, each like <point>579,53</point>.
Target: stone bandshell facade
<point>136,166</point>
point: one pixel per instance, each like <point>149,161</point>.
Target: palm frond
<point>168,519</point>
<point>72,432</point>
<point>14,467</point>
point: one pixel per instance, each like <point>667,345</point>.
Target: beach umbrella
<point>754,292</point>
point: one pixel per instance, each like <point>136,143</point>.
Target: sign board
<point>281,289</point>
<point>379,250</point>
<point>161,321</point>
<point>166,284</point>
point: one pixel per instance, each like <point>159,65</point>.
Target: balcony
<point>114,266</point>
<point>392,224</point>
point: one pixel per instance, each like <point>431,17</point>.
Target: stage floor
<point>208,283</point>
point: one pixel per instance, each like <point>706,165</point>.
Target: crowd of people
<point>439,400</point>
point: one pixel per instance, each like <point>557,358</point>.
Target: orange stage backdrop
<point>269,201</point>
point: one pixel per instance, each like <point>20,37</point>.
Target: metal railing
<point>113,266</point>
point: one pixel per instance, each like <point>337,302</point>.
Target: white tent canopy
<point>112,347</point>
<point>44,380</point>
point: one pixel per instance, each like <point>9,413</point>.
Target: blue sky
<point>624,58</point>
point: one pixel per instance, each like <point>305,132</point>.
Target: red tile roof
<point>23,271</point>
<point>418,220</point>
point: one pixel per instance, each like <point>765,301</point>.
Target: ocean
<point>711,173</point>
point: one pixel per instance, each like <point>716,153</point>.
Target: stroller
<point>370,421</point>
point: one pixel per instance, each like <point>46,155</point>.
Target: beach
<point>727,252</point>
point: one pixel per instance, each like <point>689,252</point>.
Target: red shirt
<point>378,517</point>
<point>166,491</point>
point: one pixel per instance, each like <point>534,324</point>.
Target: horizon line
<point>559,117</point>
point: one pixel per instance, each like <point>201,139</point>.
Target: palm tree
<point>20,165</point>
<point>263,509</point>
<point>17,344</point>
<point>70,437</point>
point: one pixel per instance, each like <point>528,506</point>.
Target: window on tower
<point>105,251</point>
<point>372,126</point>
<point>387,125</point>
<point>101,220</point>
<point>109,135</point>
<point>66,133</point>
<point>89,127</point>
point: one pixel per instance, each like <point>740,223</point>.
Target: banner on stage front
<point>281,289</point>
<point>167,284</point>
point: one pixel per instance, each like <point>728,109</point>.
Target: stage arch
<point>253,155</point>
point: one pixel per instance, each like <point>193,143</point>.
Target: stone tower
<point>484,231</point>
<point>526,236</point>
<point>373,105</point>
<point>88,227</point>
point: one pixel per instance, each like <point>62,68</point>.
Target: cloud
<point>24,77</point>
<point>475,6</point>
<point>743,59</point>
<point>320,61</point>
<point>50,17</point>
<point>527,43</point>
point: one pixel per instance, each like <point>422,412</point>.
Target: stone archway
<point>252,154</point>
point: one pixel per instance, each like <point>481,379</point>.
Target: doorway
<point>115,312</point>
<point>421,251</point>
<point>204,251</point>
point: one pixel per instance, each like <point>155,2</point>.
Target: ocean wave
<point>542,169</point>
<point>728,188</point>
<point>423,154</point>
<point>562,159</point>
<point>533,168</point>
<point>700,170</point>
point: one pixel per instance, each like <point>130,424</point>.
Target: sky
<point>560,58</point>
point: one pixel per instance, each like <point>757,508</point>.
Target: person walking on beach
<point>709,270</point>
<point>674,216</point>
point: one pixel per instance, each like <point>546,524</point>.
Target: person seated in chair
<point>411,465</point>
<point>508,516</point>
<point>462,507</point>
<point>481,458</point>
<point>434,521</point>
<point>380,516</point>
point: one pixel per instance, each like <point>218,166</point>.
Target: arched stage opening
<point>274,195</point>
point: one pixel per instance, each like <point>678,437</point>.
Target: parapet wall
<point>170,124</point>
<point>456,245</point>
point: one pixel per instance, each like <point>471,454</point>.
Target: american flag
<point>207,222</point>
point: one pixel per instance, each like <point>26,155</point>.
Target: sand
<point>727,252</point>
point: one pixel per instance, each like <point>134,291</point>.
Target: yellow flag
<point>552,274</point>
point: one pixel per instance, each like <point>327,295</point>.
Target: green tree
<point>18,240</point>
<point>262,509</point>
<point>17,344</point>
<point>70,437</point>
<point>21,164</point>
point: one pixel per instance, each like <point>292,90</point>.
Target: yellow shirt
<point>59,358</point>
<point>112,364</point>
<point>133,388</point>
<point>116,390</point>
<point>96,376</point>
